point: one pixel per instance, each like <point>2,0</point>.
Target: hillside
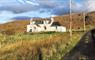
<point>15,26</point>
<point>41,46</point>
<point>77,22</point>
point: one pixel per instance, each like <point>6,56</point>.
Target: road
<point>84,50</point>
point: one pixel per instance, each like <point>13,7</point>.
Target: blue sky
<point>41,8</point>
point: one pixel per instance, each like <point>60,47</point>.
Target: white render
<point>44,27</point>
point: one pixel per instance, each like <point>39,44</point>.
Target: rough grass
<point>77,23</point>
<point>46,46</point>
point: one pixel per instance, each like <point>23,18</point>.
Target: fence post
<point>39,54</point>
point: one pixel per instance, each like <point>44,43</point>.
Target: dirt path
<point>84,50</point>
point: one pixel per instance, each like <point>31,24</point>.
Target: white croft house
<point>45,25</point>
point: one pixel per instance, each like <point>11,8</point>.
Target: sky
<point>42,8</point>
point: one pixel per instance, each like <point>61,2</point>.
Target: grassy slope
<point>52,46</point>
<point>15,26</point>
<point>77,23</point>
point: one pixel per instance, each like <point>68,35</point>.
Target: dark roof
<point>41,19</point>
<point>56,24</point>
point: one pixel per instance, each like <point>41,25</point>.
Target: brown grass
<point>52,48</point>
<point>77,23</point>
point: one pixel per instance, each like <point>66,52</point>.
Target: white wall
<point>48,28</point>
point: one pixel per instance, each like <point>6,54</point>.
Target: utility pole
<point>84,21</point>
<point>71,20</point>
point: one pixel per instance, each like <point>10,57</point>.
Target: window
<point>39,22</point>
<point>30,30</point>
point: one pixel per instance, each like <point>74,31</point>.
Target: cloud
<point>5,16</point>
<point>6,13</point>
<point>33,2</point>
<point>19,8</point>
<point>43,4</point>
<point>90,5</point>
<point>84,5</point>
<point>61,11</point>
<point>8,2</point>
<point>54,6</point>
<point>79,6</point>
<point>36,14</point>
<point>45,8</point>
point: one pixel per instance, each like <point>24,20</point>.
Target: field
<point>16,44</point>
<point>18,26</point>
<point>38,46</point>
